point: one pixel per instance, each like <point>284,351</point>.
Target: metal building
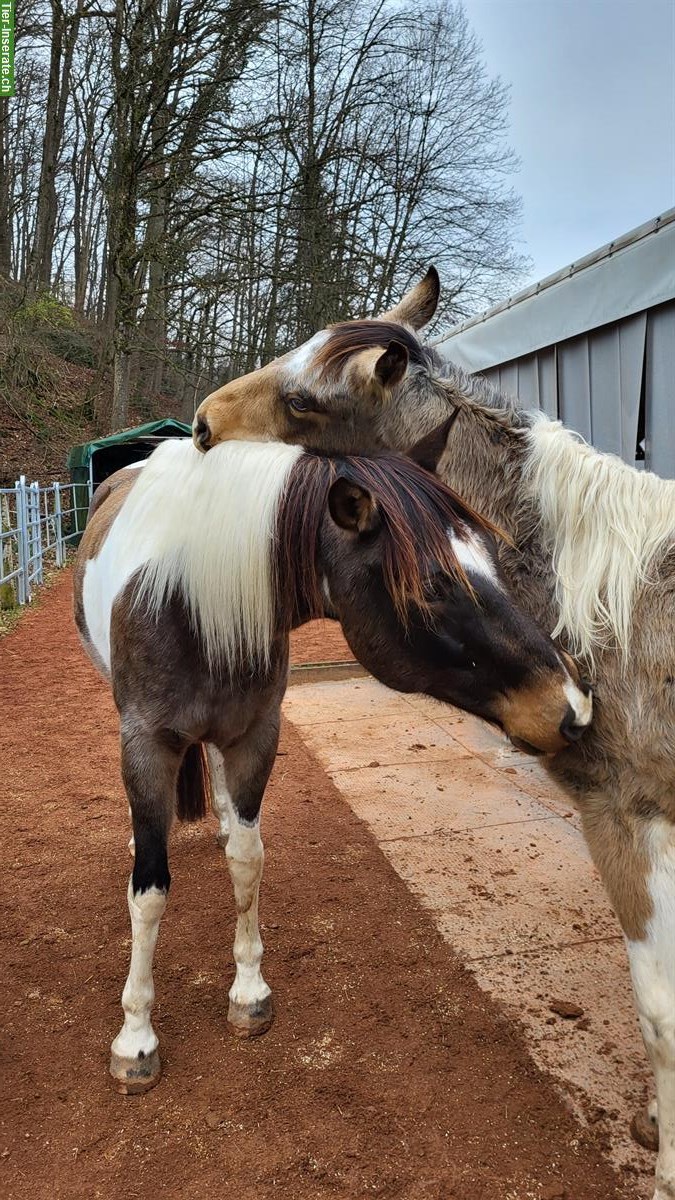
<point>593,344</point>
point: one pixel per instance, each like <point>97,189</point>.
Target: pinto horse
<point>591,557</point>
<point>190,575</point>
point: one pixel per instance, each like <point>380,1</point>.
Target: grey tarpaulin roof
<point>633,273</point>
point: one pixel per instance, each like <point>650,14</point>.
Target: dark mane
<point>352,337</point>
<point>417,511</point>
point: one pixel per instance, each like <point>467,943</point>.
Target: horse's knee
<point>245,856</point>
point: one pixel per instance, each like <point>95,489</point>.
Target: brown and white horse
<point>592,557</point>
<point>190,574</point>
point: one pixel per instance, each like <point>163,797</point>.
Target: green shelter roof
<point>80,456</point>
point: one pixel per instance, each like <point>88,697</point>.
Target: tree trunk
<point>121,376</point>
<point>5,227</point>
<point>60,61</point>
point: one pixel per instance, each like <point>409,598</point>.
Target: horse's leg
<point>652,964</point>
<point>246,768</point>
<point>636,858</point>
<point>220,796</point>
<point>149,770</point>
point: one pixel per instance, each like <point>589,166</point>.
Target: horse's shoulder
<point>105,506</point>
<point>122,480</point>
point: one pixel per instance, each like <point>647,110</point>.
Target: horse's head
<point>414,578</point>
<point>330,392</point>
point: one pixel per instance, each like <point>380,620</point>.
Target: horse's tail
<point>193,789</point>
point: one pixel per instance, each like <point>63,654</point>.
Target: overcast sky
<point>592,116</point>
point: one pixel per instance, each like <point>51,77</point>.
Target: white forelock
<point>605,524</point>
<point>208,522</point>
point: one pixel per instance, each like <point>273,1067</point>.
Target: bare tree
<point>64,30</point>
<point>209,181</point>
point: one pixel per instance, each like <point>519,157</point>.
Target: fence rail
<point>37,524</point>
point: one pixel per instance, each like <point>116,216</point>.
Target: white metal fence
<point>37,524</point>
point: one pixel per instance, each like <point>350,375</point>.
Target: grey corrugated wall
<point>594,383</point>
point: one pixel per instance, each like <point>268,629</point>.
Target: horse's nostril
<point>569,727</point>
<point>202,433</point>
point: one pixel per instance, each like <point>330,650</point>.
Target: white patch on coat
<point>136,465</point>
<point>299,360</point>
<point>652,964</point>
<point>605,524</point>
<point>137,1035</point>
<point>202,524</point>
<point>221,801</point>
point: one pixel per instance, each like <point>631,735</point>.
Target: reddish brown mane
<point>417,512</point>
<point>352,337</point>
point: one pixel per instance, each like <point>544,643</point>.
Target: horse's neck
<point>483,462</point>
<point>483,457</point>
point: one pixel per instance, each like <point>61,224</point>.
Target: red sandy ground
<point>387,1072</point>
<point>319,642</point>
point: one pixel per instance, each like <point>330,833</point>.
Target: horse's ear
<point>428,451</point>
<point>419,304</point>
<point>352,507</point>
<point>392,365</point>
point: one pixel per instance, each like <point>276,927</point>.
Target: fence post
<point>23,586</point>
<point>37,531</point>
<point>58,526</point>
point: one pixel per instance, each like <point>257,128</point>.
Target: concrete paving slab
<point>376,740</point>
<point>490,845</point>
<point>328,702</point>
<point>419,798</point>
<point>507,888</point>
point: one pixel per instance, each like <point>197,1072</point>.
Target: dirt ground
<point>319,642</point>
<point>387,1073</point>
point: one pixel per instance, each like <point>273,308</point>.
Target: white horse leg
<point>220,796</point>
<point>250,1010</point>
<point>134,1060</point>
<point>150,771</point>
<point>132,840</point>
<point>241,781</point>
<point>652,963</point>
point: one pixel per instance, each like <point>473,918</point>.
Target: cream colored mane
<point>606,525</point>
<point>207,524</point>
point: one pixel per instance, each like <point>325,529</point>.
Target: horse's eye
<point>298,404</point>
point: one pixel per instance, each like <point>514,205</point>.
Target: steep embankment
<point>54,393</point>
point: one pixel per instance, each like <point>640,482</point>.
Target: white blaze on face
<point>299,360</point>
<point>472,554</point>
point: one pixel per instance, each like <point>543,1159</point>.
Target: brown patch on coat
<point>616,837</point>
<point>118,479</point>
